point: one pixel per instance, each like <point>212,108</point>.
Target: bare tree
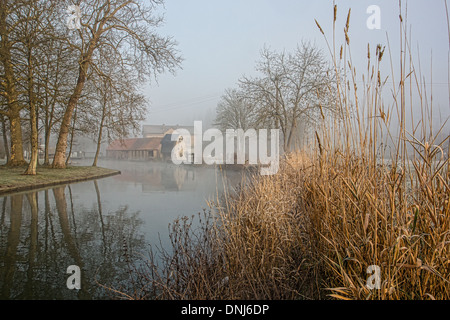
<point>292,88</point>
<point>32,70</point>
<point>234,111</point>
<point>36,53</point>
<point>32,30</point>
<point>56,78</point>
<point>118,106</point>
<point>8,79</point>
<point>127,27</point>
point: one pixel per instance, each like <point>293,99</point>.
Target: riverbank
<point>13,180</point>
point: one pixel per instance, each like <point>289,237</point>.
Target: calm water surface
<point>98,225</point>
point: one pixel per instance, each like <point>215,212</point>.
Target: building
<point>169,142</point>
<point>135,149</point>
<point>156,143</point>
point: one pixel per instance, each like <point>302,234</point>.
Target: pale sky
<point>220,41</point>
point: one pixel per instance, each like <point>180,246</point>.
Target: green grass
<point>13,179</point>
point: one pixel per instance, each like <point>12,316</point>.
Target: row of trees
<point>55,79</point>
<point>292,91</point>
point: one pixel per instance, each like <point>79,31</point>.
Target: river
<point>99,226</point>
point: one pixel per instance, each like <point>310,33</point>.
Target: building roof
<point>135,144</point>
<point>155,129</point>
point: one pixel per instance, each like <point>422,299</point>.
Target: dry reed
<point>312,230</point>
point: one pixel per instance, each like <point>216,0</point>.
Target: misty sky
<point>220,41</point>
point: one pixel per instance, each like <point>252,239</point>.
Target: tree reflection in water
<point>39,241</point>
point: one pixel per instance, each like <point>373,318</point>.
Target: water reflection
<point>38,243</point>
<point>100,226</point>
<point>160,177</point>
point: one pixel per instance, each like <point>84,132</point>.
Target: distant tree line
<point>56,79</point>
<point>292,91</point>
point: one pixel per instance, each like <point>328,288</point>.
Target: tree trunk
<point>100,134</point>
<point>49,113</point>
<point>16,156</point>
<point>284,132</point>
<point>47,132</point>
<point>31,170</point>
<point>59,160</point>
<point>72,134</point>
<point>5,138</point>
<point>99,142</point>
<point>292,133</point>
<point>47,141</point>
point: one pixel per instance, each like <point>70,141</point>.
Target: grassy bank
<point>13,180</point>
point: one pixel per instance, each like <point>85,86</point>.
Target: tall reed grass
<point>312,230</point>
<point>370,207</point>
